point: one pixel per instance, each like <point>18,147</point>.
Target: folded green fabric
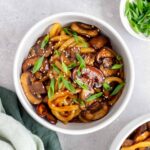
<point>13,107</point>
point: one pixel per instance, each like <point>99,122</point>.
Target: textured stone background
<point>16,17</point>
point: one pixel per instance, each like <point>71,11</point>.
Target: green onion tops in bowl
<point>135,16</point>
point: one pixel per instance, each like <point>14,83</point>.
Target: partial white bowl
<point>126,24</point>
<point>117,43</point>
<point>127,130</point>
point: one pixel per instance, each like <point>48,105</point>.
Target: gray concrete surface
<point>17,16</point>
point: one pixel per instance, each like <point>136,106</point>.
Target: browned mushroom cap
<point>91,76</point>
<point>105,53</point>
<point>84,29</point>
<point>86,26</point>
<point>99,41</point>
<point>28,63</point>
<point>108,72</point>
<point>105,57</point>
<point>37,87</point>
<point>36,49</point>
<point>100,113</point>
<point>26,83</point>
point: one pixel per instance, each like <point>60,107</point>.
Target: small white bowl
<point>127,130</point>
<point>126,23</point>
<point>117,43</point>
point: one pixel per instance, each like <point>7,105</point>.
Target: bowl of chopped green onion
<point>135,17</point>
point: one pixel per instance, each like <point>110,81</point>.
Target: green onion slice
<point>81,84</point>
<point>45,41</point>
<point>116,66</point>
<point>68,85</point>
<point>38,64</point>
<point>94,96</point>
<point>106,86</point>
<point>117,89</point>
<point>51,88</point>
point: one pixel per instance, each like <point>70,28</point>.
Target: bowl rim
<point>126,24</point>
<point>79,131</point>
<point>127,130</point>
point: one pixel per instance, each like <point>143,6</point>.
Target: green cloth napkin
<point>13,108</point>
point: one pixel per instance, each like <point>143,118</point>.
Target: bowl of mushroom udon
<point>134,136</point>
<point>70,73</point>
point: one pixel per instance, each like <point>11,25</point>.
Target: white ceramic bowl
<point>117,43</point>
<point>126,24</point>
<point>127,130</point>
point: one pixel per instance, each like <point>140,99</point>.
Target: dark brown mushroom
<point>36,49</point>
<point>86,26</point>
<point>82,30</point>
<point>91,76</point>
<point>108,72</point>
<point>26,78</point>
<point>107,62</point>
<point>105,53</point>
<point>101,112</point>
<point>99,42</point>
<point>95,106</point>
<point>28,63</point>
<point>106,58</point>
<point>38,87</point>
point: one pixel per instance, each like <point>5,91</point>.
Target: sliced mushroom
<point>105,53</point>
<point>108,72</point>
<point>26,83</point>
<point>107,62</point>
<point>36,49</point>
<point>86,26</point>
<point>89,116</point>
<point>95,106</point>
<point>45,52</point>
<point>82,30</point>
<point>28,63</point>
<point>91,76</point>
<point>99,41</point>
<point>38,87</point>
